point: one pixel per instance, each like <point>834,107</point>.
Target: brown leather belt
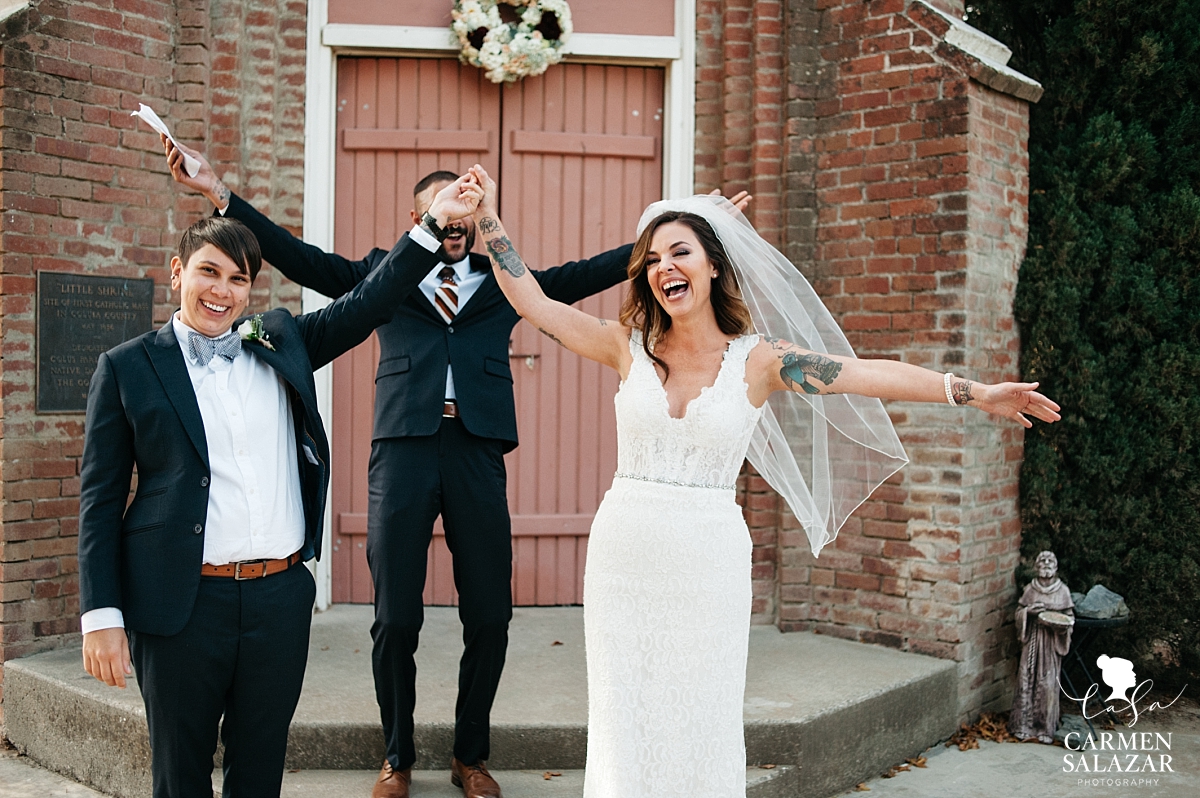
<point>250,569</point>
<point>450,409</point>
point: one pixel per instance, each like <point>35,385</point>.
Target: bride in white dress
<point>667,589</point>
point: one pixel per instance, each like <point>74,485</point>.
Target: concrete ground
<point>994,770</point>
<point>851,708</point>
<point>20,778</point>
<point>790,677</point>
<point>1032,770</point>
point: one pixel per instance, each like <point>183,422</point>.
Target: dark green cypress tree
<point>1108,304</point>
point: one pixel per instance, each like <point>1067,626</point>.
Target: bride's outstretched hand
<point>1016,400</point>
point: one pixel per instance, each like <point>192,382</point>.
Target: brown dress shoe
<point>392,783</point>
<point>475,780</point>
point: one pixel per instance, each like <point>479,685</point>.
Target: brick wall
<point>739,145</point>
<point>739,104</point>
<point>84,189</point>
<point>909,185</point>
<point>900,190</point>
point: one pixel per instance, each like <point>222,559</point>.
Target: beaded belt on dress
<point>640,478</point>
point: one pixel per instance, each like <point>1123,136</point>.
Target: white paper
<point>147,115</point>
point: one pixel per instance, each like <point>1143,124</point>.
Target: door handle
<point>529,359</point>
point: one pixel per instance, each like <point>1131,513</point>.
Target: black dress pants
<point>241,654</point>
<point>412,480</point>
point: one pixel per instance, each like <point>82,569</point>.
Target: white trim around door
<point>327,41</point>
<point>320,134</point>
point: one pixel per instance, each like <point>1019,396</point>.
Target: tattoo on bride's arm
<point>603,322</point>
<point>488,225</point>
<point>797,368</point>
<point>222,193</point>
<point>506,256</point>
<point>551,336</point>
<point>961,391</point>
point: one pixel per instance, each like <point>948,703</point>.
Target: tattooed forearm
<point>488,225</point>
<point>797,368</point>
<point>603,322</point>
<point>551,336</point>
<point>961,391</point>
<point>506,256</point>
<point>222,194</point>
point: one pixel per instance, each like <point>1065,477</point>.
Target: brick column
<point>739,146</point>
<point>257,59</point>
<point>911,167</point>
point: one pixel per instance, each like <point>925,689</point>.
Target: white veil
<point>824,454</point>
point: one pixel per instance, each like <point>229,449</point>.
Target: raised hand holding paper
<point>147,115</point>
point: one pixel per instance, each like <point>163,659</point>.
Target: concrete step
<point>839,711</point>
<point>779,782</point>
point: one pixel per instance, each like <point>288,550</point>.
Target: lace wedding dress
<point>667,593</point>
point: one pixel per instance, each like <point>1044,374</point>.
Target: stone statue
<point>1044,618</point>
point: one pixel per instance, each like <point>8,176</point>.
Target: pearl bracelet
<point>949,393</point>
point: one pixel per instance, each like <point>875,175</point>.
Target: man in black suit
<point>202,568</point>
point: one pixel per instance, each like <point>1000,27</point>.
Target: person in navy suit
<point>197,584</point>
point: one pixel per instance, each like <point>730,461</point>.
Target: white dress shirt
<point>467,280</point>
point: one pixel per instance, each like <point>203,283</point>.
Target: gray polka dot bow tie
<point>205,349</point>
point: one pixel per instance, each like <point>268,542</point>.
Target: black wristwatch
<point>438,233</point>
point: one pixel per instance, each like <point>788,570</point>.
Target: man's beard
<point>468,241</point>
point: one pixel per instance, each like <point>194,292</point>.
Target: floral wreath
<point>511,39</point>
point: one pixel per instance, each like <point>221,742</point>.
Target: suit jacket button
<point>450,330</point>
<point>204,482</point>
<point>198,529</point>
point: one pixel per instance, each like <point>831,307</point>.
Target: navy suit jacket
<point>142,411</point>
<point>416,344</point>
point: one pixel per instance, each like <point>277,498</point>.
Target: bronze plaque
<point>79,317</point>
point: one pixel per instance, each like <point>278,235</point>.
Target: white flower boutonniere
<point>251,330</point>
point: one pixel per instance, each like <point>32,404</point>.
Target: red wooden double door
<point>578,155</point>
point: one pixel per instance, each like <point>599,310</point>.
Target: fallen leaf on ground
<point>556,643</point>
<point>766,767</point>
<point>917,762</point>
<point>991,726</point>
<point>549,774</point>
<point>862,787</point>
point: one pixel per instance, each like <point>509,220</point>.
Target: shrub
<point>1109,303</point>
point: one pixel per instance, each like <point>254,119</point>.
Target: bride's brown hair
<point>641,309</point>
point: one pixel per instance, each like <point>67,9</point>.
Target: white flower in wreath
<point>511,39</point>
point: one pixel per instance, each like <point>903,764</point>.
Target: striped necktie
<point>445,296</point>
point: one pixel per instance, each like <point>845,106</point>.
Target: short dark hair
<point>440,176</point>
<point>228,235</point>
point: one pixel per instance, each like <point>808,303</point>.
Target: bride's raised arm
<point>778,365</point>
<point>601,340</point>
